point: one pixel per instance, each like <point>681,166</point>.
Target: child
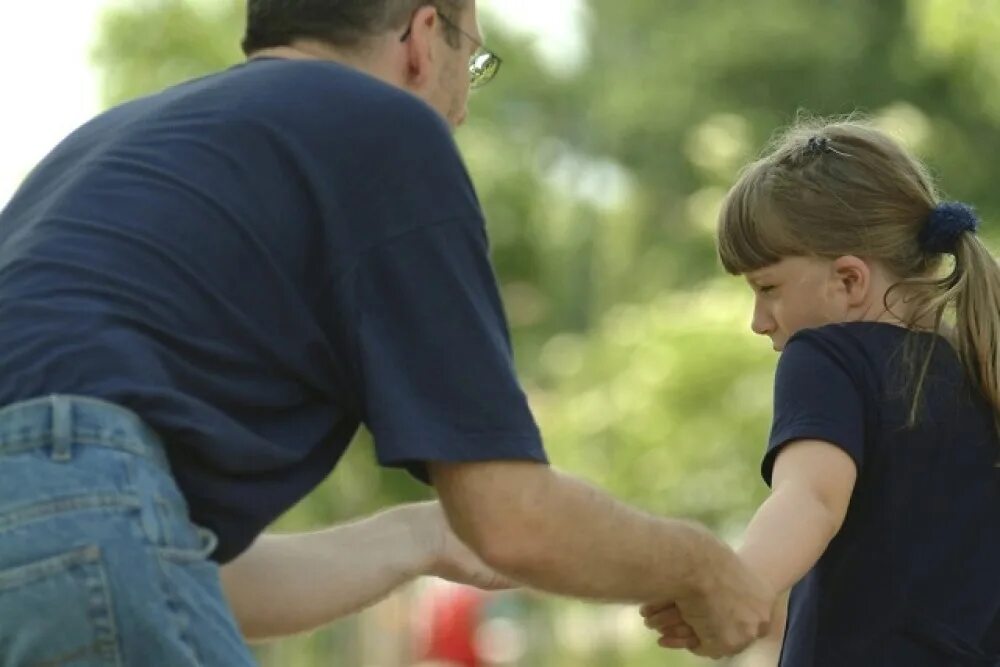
<point>884,514</point>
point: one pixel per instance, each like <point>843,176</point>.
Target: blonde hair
<point>829,189</point>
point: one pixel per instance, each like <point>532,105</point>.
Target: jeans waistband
<point>60,422</point>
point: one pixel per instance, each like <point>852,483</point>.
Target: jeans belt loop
<point>62,428</point>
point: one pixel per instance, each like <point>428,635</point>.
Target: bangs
<point>751,234</point>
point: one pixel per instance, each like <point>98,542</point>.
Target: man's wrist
<point>706,557</point>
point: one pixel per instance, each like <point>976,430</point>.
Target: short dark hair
<point>342,23</point>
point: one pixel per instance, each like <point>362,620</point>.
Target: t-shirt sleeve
<point>816,397</point>
<point>434,353</point>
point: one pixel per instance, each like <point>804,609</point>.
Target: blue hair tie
<point>945,226</point>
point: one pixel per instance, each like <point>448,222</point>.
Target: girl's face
<point>801,292</point>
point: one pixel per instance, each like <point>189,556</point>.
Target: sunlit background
<point>601,154</point>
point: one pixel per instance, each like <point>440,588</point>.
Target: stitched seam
<point>17,444</point>
<point>21,515</point>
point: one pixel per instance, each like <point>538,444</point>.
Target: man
<point>215,286</point>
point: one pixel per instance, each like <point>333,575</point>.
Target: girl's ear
<point>853,277</point>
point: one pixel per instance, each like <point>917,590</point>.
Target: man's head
<point>423,46</point>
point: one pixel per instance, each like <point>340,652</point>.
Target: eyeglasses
<point>483,65</point>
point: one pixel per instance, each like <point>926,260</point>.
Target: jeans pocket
<point>57,612</point>
<point>199,615</point>
<point>197,544</point>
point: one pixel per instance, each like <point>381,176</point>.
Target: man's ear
<point>421,46</point>
<point>853,278</point>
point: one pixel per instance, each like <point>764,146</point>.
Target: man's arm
<point>811,488</point>
<point>561,535</point>
<point>286,584</point>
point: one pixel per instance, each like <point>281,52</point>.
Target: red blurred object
<point>451,618</point>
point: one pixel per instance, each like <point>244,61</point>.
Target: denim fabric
<point>99,563</point>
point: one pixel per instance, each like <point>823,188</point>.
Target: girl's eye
<point>765,289</point>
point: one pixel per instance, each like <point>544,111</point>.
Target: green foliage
<point>150,44</point>
<point>666,403</point>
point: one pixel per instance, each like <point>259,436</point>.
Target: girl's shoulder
<point>847,340</point>
<point>866,340</point>
<point>885,359</point>
<point>875,355</point>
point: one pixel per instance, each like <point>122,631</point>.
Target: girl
<point>884,513</point>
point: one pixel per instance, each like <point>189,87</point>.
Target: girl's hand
<point>674,632</point>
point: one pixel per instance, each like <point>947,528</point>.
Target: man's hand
<point>446,556</point>
<point>729,609</point>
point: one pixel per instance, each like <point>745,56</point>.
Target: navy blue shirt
<point>256,263</point>
<point>913,577</point>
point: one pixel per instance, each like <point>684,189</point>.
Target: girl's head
<point>840,223</point>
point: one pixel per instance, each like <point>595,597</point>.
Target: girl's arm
<point>811,486</point>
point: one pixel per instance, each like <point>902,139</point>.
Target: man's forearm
<point>285,584</point>
<point>787,535</point>
<point>619,542</point>
<point>572,539</point>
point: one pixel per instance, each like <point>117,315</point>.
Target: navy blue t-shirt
<point>256,263</point>
<point>913,577</point>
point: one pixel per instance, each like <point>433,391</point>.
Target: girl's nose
<point>762,323</point>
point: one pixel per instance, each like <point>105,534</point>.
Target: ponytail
<point>971,292</point>
<point>977,315</point>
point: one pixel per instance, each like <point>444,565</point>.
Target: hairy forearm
<point>787,535</point>
<point>285,584</point>
<point>561,535</point>
<point>619,542</point>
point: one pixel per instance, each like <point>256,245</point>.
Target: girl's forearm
<point>787,535</point>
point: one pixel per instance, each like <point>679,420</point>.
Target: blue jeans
<point>99,562</point>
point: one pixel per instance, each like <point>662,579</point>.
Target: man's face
<point>449,93</point>
<point>793,294</point>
